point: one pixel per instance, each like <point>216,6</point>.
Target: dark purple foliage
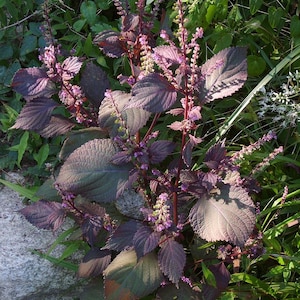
<point>122,237</point>
<point>70,67</point>
<point>110,43</point>
<point>171,259</point>
<point>145,240</point>
<point>57,125</point>
<point>90,228</point>
<point>130,22</point>
<point>223,74</point>
<point>36,114</point>
<point>94,83</point>
<point>153,93</point>
<point>222,277</point>
<point>45,214</point>
<point>169,54</point>
<point>132,119</point>
<point>215,156</point>
<point>198,183</point>
<point>229,205</point>
<point>32,83</point>
<point>121,158</point>
<point>94,262</point>
<point>91,164</point>
<point>159,150</point>
<point>126,133</point>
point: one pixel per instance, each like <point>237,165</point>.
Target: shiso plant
<point>146,205</point>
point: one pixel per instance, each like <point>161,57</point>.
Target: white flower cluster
<point>283,105</point>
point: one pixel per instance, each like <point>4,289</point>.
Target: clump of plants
<point>159,218</point>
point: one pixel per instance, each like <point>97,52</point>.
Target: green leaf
<point>255,5</point>
<point>42,154</point>
<point>29,44</point>
<point>10,72</point>
<point>254,282</point>
<point>234,15</point>
<point>208,275</point>
<point>57,261</point>
<point>89,11</point>
<point>34,28</point>
<point>11,10</point>
<point>295,27</point>
<point>211,10</point>
<point>22,146</point>
<point>71,249</point>
<point>2,3</point>
<point>279,228</point>
<point>88,172</point>
<point>275,16</point>
<point>6,51</point>
<point>78,25</point>
<point>256,65</point>
<point>223,42</point>
<point>103,5</point>
<point>127,274</point>
<point>61,238</point>
<point>272,243</point>
<point>89,48</point>
<point>25,192</point>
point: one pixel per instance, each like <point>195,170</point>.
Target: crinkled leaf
<point>223,74</point>
<point>77,138</point>
<point>94,263</point>
<point>121,158</point>
<point>222,278</point>
<point>215,155</point>
<point>228,215</point>
<point>32,83</point>
<point>169,54</point>
<point>172,258</point>
<point>153,93</point>
<point>94,83</point>
<point>122,237</point>
<point>188,176</point>
<point>58,125</point>
<point>90,208</point>
<point>145,240</point>
<point>88,172</point>
<point>134,118</point>
<point>126,274</point>
<point>130,203</point>
<point>159,150</point>
<point>109,42</point>
<point>35,115</point>
<point>45,214</point>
